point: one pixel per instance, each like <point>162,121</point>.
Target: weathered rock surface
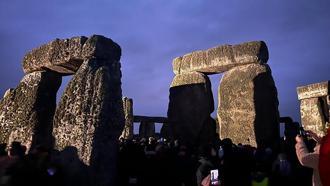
<point>147,129</point>
<point>313,116</point>
<point>221,58</point>
<point>7,93</point>
<point>314,106</point>
<point>90,115</point>
<point>100,47</point>
<point>190,106</point>
<point>314,90</point>
<point>248,106</point>
<point>26,112</point>
<point>128,112</point>
<point>61,55</point>
<point>66,55</point>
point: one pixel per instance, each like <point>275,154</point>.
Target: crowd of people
<point>35,168</point>
<point>162,162</point>
<point>157,161</point>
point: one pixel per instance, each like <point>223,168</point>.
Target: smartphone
<point>302,132</point>
<point>215,177</point>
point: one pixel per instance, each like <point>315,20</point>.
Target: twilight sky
<point>153,32</point>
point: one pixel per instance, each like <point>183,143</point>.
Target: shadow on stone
<point>46,106</point>
<point>266,125</point>
<point>189,112</point>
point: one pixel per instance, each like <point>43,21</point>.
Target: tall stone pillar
<point>147,129</point>
<point>190,106</point>
<point>248,106</point>
<point>314,107</point>
<point>90,115</point>
<point>26,112</point>
<point>129,117</point>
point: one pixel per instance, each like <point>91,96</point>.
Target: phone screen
<point>215,177</point>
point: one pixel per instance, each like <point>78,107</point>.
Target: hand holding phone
<point>314,136</point>
<point>215,181</point>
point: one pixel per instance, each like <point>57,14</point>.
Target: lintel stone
<point>314,90</point>
<point>60,55</point>
<point>221,58</point>
<point>65,56</point>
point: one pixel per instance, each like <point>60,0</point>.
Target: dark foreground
<point>146,162</point>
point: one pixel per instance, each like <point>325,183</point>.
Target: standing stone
<point>147,129</point>
<point>128,111</point>
<point>165,131</point>
<point>314,106</point>
<point>312,115</point>
<point>90,115</point>
<point>248,106</point>
<point>26,112</point>
<point>190,106</point>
